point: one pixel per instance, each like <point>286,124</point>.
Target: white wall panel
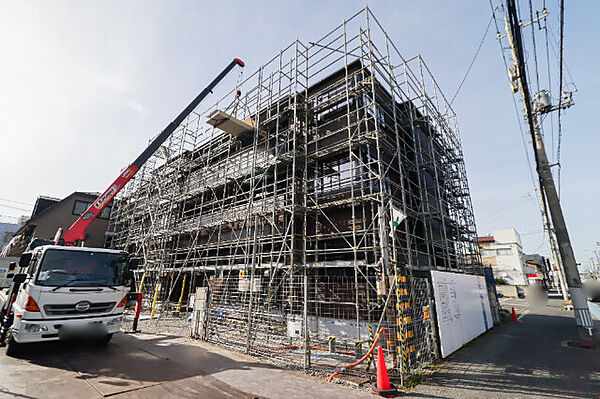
<point>462,308</point>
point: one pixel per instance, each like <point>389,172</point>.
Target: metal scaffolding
<point>321,217</point>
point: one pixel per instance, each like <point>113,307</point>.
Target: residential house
<point>502,250</point>
<point>49,214</point>
<point>539,269</point>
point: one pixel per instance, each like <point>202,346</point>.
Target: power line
<point>474,58</point>
<point>549,79</point>
<point>14,207</point>
<point>517,113</point>
<point>537,75</point>
<point>560,86</point>
<point>9,217</point>
<point>15,202</point>
<point>560,60</point>
<point>565,64</point>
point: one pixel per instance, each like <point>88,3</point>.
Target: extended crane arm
<point>77,230</point>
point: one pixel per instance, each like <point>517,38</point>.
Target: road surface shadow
<point>524,359</point>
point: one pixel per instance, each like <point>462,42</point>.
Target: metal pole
<point>181,296</point>
<point>555,254</point>
<point>250,302</point>
<point>138,310</point>
<point>154,300</point>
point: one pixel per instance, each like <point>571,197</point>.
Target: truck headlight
<point>34,328</point>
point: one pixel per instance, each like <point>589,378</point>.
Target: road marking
<point>523,314</point>
<point>594,309</point>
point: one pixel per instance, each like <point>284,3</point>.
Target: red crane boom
<point>77,231</point>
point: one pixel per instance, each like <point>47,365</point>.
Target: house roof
<point>42,203</point>
<point>484,239</point>
<point>536,259</point>
<point>91,196</point>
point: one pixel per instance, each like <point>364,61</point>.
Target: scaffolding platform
<point>227,123</point>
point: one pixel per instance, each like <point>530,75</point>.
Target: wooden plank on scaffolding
<point>227,123</point>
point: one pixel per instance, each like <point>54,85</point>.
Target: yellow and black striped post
<point>370,360</point>
<point>401,320</point>
<point>331,341</point>
<point>358,349</point>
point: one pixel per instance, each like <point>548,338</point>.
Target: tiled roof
<point>484,239</point>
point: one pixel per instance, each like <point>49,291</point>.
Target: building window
<point>504,252</point>
<point>105,214</point>
<point>80,207</point>
<point>488,252</point>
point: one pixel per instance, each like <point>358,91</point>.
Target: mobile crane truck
<point>63,290</point>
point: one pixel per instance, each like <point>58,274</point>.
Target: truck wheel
<point>104,340</point>
<point>12,347</point>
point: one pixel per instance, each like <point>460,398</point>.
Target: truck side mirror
<point>20,278</point>
<point>11,270</point>
<point>25,259</point>
<point>128,279</point>
<point>133,263</point>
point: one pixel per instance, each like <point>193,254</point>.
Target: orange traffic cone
<point>383,386</point>
<point>514,316</point>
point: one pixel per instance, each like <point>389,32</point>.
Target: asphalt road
<point>528,359</point>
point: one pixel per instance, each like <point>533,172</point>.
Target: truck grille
<point>61,310</point>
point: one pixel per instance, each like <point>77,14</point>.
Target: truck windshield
<point>81,268</point>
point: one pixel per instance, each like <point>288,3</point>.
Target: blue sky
<point>85,84</point>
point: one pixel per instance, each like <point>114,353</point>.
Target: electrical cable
<point>560,87</point>
<point>9,217</point>
<point>15,202</point>
<point>14,207</point>
<point>473,60</point>
<point>565,64</point>
<point>537,187</point>
<point>549,79</point>
<point>537,74</point>
<point>518,115</point>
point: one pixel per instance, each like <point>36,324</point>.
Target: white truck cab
<point>68,292</point>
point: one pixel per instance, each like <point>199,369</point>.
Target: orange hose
<point>348,367</point>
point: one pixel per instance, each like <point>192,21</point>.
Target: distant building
<point>49,214</point>
<point>7,231</point>
<point>504,253</point>
<point>539,269</point>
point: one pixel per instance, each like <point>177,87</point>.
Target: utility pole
<point>557,261</point>
<point>583,317</point>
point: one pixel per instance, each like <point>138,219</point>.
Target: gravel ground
<point>180,327</point>
<point>166,325</point>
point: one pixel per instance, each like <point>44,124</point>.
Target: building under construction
<point>308,205</point>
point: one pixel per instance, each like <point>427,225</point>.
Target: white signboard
<point>462,308</point>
